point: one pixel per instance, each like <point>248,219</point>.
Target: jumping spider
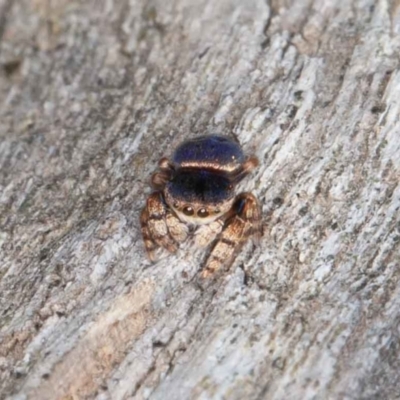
<point>196,187</point>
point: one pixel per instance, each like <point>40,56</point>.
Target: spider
<point>197,187</point>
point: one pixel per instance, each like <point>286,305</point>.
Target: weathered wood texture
<point>93,93</point>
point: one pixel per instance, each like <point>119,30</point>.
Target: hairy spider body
<point>197,187</point>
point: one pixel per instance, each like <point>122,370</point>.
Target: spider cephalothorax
<point>196,187</point>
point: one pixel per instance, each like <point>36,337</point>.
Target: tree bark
<point>94,93</point>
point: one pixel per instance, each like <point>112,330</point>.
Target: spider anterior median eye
<point>202,213</point>
<point>188,211</point>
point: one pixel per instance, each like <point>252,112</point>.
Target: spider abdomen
<point>209,152</point>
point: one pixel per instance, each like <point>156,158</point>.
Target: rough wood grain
<point>93,93</point>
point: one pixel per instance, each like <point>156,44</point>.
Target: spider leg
<point>177,229</point>
<point>155,229</point>
<point>206,233</point>
<point>246,168</point>
<point>149,243</point>
<point>244,221</point>
<point>161,177</point>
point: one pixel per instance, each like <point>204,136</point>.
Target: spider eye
<point>217,211</point>
<point>188,211</point>
<point>202,213</point>
<point>176,205</point>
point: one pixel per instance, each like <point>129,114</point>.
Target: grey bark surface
<point>93,93</point>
